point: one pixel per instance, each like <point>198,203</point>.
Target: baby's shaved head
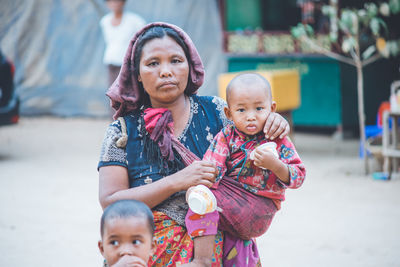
<point>247,79</point>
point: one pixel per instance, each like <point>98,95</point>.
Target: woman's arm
<point>114,184</point>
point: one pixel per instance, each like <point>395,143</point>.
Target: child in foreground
<point>252,179</point>
<point>127,229</point>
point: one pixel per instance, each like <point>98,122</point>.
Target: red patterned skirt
<point>174,246</point>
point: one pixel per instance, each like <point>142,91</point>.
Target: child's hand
<point>264,158</point>
<point>130,261</point>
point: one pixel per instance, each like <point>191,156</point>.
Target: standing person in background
<point>118,27</point>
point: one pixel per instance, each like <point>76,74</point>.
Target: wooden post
<point>361,112</point>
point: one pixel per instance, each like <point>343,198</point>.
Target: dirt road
<point>50,212</point>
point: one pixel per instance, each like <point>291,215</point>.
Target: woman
<point>155,92</point>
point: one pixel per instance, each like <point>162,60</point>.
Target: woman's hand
<point>199,172</point>
<point>276,126</point>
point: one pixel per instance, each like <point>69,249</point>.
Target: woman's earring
<point>139,79</point>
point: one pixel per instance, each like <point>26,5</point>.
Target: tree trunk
<point>361,113</point>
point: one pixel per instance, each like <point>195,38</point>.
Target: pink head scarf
<point>125,93</point>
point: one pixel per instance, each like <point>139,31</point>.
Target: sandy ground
<point>50,212</point>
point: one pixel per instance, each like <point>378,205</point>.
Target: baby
<point>127,230</point>
<point>252,178</point>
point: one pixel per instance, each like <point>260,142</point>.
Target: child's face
<point>249,107</point>
<point>129,236</point>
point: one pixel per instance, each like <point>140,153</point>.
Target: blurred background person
<point>118,27</point>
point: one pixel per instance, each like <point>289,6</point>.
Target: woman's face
<point>163,71</point>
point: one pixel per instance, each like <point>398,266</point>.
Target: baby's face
<point>129,236</point>
<point>249,107</point>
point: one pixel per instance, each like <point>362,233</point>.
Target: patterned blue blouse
<point>206,119</point>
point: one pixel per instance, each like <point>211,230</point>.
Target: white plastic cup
<point>201,200</point>
<point>269,146</point>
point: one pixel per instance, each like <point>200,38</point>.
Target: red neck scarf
<point>160,126</point>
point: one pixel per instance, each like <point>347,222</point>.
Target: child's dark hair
<point>125,209</point>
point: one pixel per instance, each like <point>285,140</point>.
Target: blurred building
<point>57,49</point>
<point>257,37</point>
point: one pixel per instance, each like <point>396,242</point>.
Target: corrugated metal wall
<point>57,47</point>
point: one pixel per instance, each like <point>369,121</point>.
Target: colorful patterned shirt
<point>230,151</point>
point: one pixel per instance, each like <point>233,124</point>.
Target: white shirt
<point>117,37</point>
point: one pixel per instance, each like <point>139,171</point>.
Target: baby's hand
<point>264,158</point>
<point>130,261</point>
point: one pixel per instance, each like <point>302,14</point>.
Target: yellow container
<point>285,86</point>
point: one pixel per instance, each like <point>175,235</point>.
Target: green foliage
<point>348,44</point>
<point>372,10</point>
<point>369,52</point>
<point>392,48</point>
<point>349,21</point>
<point>357,25</point>
<point>394,6</point>
<point>376,24</point>
<point>301,30</point>
<point>328,11</point>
